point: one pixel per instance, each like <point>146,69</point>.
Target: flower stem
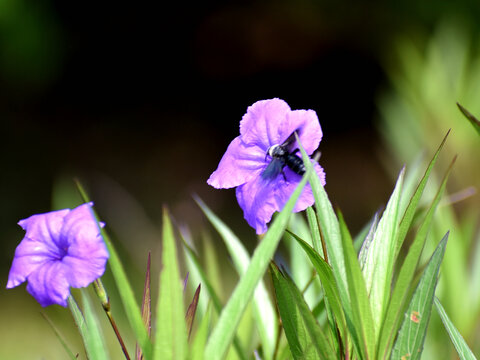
<point>105,301</point>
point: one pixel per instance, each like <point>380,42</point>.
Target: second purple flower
<point>255,161</point>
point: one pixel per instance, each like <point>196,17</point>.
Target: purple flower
<point>60,249</point>
<point>267,124</point>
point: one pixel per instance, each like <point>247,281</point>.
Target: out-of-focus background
<point>140,101</point>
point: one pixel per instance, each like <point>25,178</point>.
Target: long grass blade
<point>405,276</point>
<point>463,351</point>
<point>98,350</point>
<point>146,307</point>
<point>60,338</point>
<point>303,333</point>
<point>361,308</point>
<point>130,305</point>
<point>264,311</point>
<point>473,120</point>
<point>171,332</point>
<point>225,329</point>
<point>409,343</point>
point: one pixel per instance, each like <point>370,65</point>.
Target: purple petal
<point>45,227</point>
<point>87,253</point>
<point>239,164</point>
<point>48,284</point>
<point>286,189</point>
<point>258,203</point>
<point>29,256</point>
<point>309,131</point>
<point>266,123</point>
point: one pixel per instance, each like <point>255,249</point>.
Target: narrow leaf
<point>130,305</point>
<point>303,333</point>
<point>409,343</point>
<point>380,257</point>
<point>217,304</point>
<point>361,308</point>
<point>191,310</point>
<point>171,333</point>
<point>406,275</point>
<point>60,338</point>
<point>225,329</point>
<point>473,120</point>
<point>460,344</point>
<point>264,311</point>
<point>200,339</point>
<point>94,333</point>
<point>412,205</point>
<point>146,307</point>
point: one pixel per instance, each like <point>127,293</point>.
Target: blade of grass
<point>412,205</point>
<point>96,341</point>
<point>327,279</point>
<point>409,343</point>
<point>303,333</point>
<point>59,336</point>
<point>361,308</point>
<point>146,307</point>
<point>406,275</point>
<point>314,230</point>
<point>171,332</point>
<point>473,120</point>
<point>463,351</point>
<point>200,339</point>
<point>264,311</point>
<point>224,331</point>
<point>191,310</point>
<point>217,304</point>
<point>380,261</point>
<point>130,305</point>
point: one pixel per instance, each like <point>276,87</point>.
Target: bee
<point>281,157</point>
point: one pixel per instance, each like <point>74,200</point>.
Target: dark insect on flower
<point>265,149</point>
<point>281,157</point>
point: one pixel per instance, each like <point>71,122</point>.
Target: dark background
<point>145,97</point>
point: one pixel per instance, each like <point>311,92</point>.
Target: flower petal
<point>257,201</point>
<point>239,164</point>
<point>308,127</point>
<point>45,227</point>
<point>29,256</point>
<point>265,123</point>
<point>48,284</point>
<point>286,189</point>
<point>87,254</point>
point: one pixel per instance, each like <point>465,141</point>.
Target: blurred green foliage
<point>428,76</point>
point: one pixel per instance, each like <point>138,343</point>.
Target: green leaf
<point>409,343</point>
<point>130,305</point>
<point>60,338</point>
<point>461,346</point>
<point>146,307</point>
<point>94,332</point>
<point>217,304</point>
<point>303,333</point>
<point>225,329</point>
<point>264,311</point>
<point>314,230</point>
<point>361,308</point>
<point>406,275</point>
<point>327,279</point>
<point>171,333</point>
<point>473,120</point>
<point>88,341</point>
<point>412,205</point>
<point>200,339</point>
<point>380,257</point>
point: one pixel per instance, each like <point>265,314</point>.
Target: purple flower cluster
<point>267,124</point>
<point>60,249</point>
